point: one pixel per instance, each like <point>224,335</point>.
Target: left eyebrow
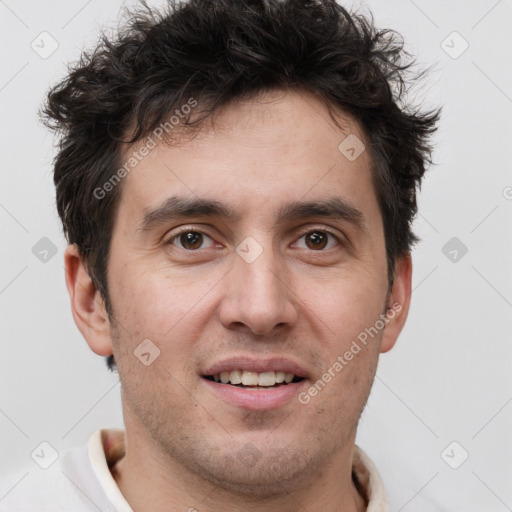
<point>332,207</point>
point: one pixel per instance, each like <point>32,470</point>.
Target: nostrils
<point>262,316</point>
<point>256,297</point>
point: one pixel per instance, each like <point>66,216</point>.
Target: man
<point>237,183</point>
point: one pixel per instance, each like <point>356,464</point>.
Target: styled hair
<point>215,51</point>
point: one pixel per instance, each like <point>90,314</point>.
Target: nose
<point>258,297</point>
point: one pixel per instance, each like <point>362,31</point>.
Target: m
<point>237,184</point>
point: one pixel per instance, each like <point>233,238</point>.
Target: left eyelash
<point>322,230</point>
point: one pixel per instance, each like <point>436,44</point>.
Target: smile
<point>254,380</point>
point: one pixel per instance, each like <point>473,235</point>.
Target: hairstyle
<point>216,51</point>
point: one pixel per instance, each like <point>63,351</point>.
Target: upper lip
<point>251,364</point>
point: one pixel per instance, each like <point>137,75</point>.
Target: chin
<point>257,475</point>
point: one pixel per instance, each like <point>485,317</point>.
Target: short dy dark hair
<point>214,51</point>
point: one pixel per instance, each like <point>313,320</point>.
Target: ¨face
<point>252,251</point>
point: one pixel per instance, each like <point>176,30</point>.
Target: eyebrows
<point>182,208</point>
